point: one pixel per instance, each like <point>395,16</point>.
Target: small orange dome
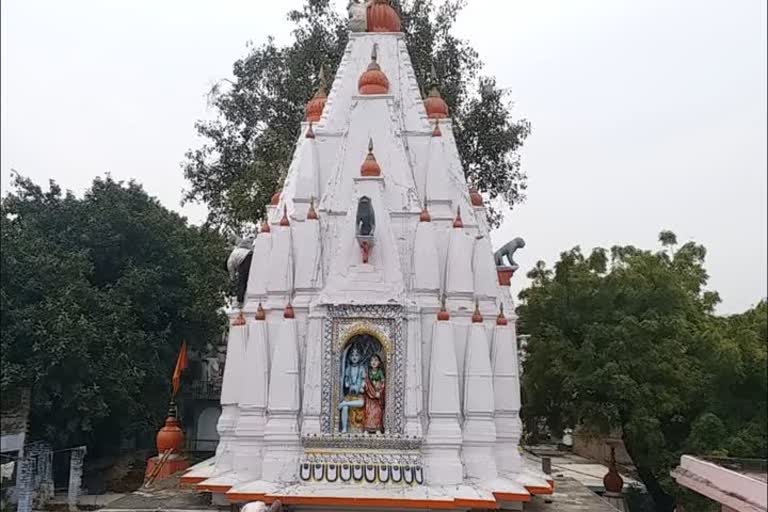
<point>501,319</point>
<point>275,198</point>
<point>314,108</point>
<point>373,81</point>
<point>443,315</point>
<point>265,227</point>
<point>435,105</point>
<point>260,313</point>
<point>311,213</point>
<point>370,166</point>
<point>425,216</point>
<point>477,317</point>
<point>382,17</point>
<point>288,312</point>
<point>170,437</point>
<point>458,223</point>
<point>284,221</point>
<point>475,197</point>
<point>310,131</point>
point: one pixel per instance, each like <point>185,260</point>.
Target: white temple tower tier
<point>479,427</point>
<point>253,403</point>
<point>441,452</point>
<point>281,433</point>
<point>506,387</point>
<point>230,394</point>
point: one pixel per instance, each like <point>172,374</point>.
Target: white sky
<point>647,114</point>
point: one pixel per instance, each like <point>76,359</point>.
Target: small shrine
<point>372,358</point>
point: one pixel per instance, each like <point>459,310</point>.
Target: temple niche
<point>362,385</point>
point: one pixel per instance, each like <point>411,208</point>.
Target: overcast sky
<point>646,114</point>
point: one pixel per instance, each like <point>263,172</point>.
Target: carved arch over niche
<point>385,323</point>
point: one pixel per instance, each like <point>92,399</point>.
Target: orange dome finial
<point>310,131</point>
<point>373,81</point>
<point>275,198</point>
<point>501,319</point>
<point>477,317</point>
<point>425,216</point>
<point>382,17</point>
<point>458,223</point>
<point>288,312</point>
<point>265,227</point>
<point>311,214</point>
<point>284,221</point>
<point>370,166</point>
<point>434,103</point>
<point>314,108</point>
<point>443,315</point>
<point>260,313</point>
<point>475,197</point>
<point>436,131</point>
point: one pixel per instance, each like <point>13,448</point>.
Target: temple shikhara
<point>372,360</point>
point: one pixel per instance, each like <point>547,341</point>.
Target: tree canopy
<point>96,295</point>
<point>250,143</point>
<point>627,340</point>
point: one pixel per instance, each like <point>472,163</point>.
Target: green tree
<point>96,295</point>
<point>250,143</point>
<point>626,339</point>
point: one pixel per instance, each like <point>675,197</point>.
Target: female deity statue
<point>373,415</point>
<point>352,386</point>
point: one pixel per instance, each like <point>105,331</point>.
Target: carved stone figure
<point>507,251</point>
<point>373,415</point>
<point>365,226</point>
<point>239,264</point>
<point>358,15</point>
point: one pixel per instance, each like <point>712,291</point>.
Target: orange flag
<point>181,364</point>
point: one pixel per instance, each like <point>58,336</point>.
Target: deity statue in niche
<point>361,401</point>
<point>373,415</point>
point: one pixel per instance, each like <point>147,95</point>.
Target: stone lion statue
<point>507,251</point>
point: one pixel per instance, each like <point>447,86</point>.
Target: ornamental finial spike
<point>375,52</point>
<point>370,145</point>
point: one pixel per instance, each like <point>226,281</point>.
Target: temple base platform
<point>509,493</point>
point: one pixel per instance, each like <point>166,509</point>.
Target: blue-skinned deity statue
<point>352,383</point>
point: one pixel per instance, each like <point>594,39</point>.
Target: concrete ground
<point>569,496</point>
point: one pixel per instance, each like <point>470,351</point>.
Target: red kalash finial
<point>275,198</point>
<point>311,213</point>
<point>373,80</point>
<point>382,17</point>
<point>475,197</point>
<point>284,221</point>
<point>434,103</point>
<point>288,312</point>
<point>315,106</point>
<point>458,223</point>
<point>443,315</point>
<point>265,227</point>
<point>501,320</point>
<point>370,167</point>
<point>477,318</point>
<point>260,313</point>
<point>310,132</point>
<point>425,216</point>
